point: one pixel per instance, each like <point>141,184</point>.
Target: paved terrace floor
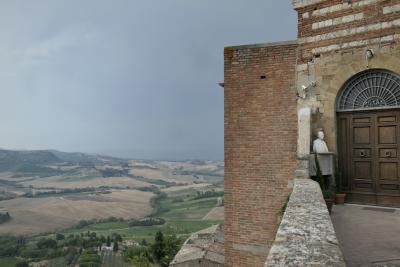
<point>368,236</point>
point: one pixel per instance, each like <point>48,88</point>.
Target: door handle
<point>388,154</point>
<point>362,154</point>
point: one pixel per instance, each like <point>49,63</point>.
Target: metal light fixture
<point>304,90</point>
<point>369,53</point>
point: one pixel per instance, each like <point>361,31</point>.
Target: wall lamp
<point>304,89</point>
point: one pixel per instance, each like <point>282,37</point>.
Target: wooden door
<point>363,139</point>
<point>387,159</point>
<point>368,146</point>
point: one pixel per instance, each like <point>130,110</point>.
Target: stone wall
<point>331,73</point>
<point>204,248</point>
<point>333,38</point>
<point>306,236</point>
<point>335,25</point>
<point>260,146</point>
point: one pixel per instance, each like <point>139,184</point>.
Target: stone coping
<point>261,45</point>
<point>306,236</point>
<point>303,3</point>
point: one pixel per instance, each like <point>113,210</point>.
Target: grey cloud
<point>129,78</point>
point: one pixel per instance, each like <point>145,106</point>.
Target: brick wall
<point>260,146</point>
<point>331,26</point>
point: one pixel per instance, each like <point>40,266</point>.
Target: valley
<point>51,193</point>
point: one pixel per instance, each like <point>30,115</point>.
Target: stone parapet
<point>306,236</point>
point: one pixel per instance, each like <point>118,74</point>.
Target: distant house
<point>128,243</point>
<point>104,247</point>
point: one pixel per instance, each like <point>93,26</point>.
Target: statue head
<point>319,145</point>
<point>320,135</point>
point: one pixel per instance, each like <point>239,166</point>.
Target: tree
<point>141,261</point>
<point>8,246</point>
<point>108,241</point>
<point>138,255</point>
<point>158,248</point>
<point>60,236</point>
<point>21,240</point>
<point>89,259</point>
<point>172,246</point>
<point>4,217</point>
<point>46,243</point>
<point>143,242</point>
<point>117,237</point>
<point>115,247</point>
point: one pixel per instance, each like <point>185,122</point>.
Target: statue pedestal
<point>325,161</point>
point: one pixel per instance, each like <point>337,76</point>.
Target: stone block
<point>391,9</point>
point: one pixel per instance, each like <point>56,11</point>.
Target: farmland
<point>111,259</point>
<point>46,195</point>
<point>80,197</point>
<point>182,218</point>
<point>182,211</point>
<point>47,191</point>
<point>47,214</point>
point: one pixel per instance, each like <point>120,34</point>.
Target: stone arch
<point>344,68</point>
<point>369,89</point>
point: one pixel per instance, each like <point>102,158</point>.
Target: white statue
<point>319,145</point>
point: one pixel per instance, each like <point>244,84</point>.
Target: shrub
<point>89,259</point>
<point>146,222</point>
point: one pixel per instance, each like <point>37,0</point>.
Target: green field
<point>111,259</point>
<point>58,262</point>
<point>182,212</point>
<point>182,218</point>
<point>8,262</point>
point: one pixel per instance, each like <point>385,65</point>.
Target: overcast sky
<point>134,78</point>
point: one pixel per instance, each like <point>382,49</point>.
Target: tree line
<point>162,251</point>
<point>4,217</point>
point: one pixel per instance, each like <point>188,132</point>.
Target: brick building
<point>342,74</point>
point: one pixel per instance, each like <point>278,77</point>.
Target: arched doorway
<point>368,116</point>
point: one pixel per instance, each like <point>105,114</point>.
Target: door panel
<point>387,134</point>
<point>368,144</point>
<point>362,170</point>
<point>387,178</point>
<point>362,167</point>
<point>388,170</point>
<point>362,135</point>
<point>386,118</point>
<point>344,148</point>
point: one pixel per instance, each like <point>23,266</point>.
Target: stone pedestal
<point>303,142</point>
<point>325,161</point>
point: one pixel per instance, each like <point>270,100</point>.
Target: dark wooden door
<point>368,144</point>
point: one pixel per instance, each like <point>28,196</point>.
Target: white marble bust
<point>319,145</point>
